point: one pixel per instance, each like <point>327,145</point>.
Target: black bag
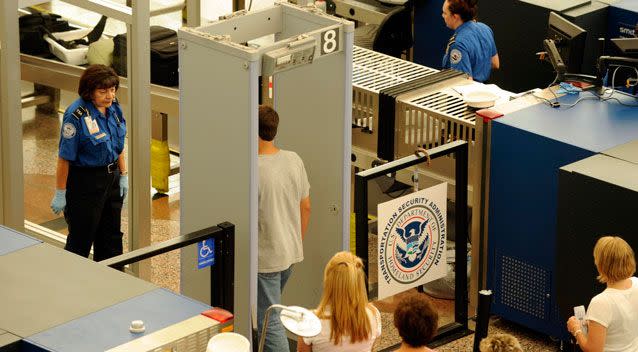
<point>164,56</point>
<point>34,26</point>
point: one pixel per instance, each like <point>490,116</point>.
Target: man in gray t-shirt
<point>284,211</point>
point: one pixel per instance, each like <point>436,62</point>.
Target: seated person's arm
<point>496,63</point>
<point>594,341</point>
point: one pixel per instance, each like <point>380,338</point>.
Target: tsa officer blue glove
<point>59,201</point>
<point>123,186</point>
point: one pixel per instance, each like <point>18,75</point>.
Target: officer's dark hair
<point>466,9</point>
<point>97,77</point>
<point>416,320</point>
<point>268,123</point>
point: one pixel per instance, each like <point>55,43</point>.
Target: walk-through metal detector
<point>221,70</point>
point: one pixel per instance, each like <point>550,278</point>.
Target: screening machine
<point>398,106</point>
<point>54,300</point>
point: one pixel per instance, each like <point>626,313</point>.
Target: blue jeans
<point>269,289</point>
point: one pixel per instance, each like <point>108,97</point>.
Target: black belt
<point>109,169</point>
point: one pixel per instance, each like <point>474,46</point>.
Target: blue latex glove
<point>123,186</point>
<point>59,201</point>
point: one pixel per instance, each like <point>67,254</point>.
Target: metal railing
<point>222,273</point>
<point>459,327</point>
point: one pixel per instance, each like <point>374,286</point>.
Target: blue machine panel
<point>11,240</point>
<point>623,19</point>
<point>590,124</point>
<point>109,327</point>
<point>528,148</point>
<point>522,225</point>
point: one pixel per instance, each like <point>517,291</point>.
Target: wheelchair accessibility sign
<point>205,253</point>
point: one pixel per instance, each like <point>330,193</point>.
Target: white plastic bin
<point>75,56</point>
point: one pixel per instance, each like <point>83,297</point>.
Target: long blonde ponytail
<point>344,298</point>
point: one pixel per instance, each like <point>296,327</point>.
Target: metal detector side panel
<point>218,174</point>
<point>296,21</point>
<point>315,108</point>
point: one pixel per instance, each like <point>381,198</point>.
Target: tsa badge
<point>68,130</point>
<point>455,56</point>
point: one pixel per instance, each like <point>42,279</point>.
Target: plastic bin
<point>75,56</point>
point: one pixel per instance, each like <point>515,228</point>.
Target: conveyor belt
<point>388,103</point>
<point>63,76</point>
<point>373,72</point>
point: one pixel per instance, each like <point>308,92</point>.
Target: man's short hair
<point>466,9</point>
<point>500,343</point>
<point>97,77</point>
<point>614,259</point>
<point>268,123</point>
<point>416,320</point>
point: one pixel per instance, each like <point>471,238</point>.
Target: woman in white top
<point>612,315</point>
<point>348,322</point>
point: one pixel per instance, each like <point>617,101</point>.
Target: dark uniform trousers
<point>93,212</point>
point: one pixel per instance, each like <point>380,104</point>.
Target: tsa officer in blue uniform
<point>472,48</point>
<point>91,180</point>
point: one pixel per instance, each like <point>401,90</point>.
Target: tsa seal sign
<point>412,236</point>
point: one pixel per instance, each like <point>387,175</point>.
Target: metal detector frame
<point>459,327</point>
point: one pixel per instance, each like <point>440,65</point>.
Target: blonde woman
<point>348,322</point>
<point>612,315</point>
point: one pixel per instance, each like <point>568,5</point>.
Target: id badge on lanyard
<point>91,124</point>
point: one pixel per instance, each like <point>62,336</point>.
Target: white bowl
<point>480,98</point>
<point>228,342</point>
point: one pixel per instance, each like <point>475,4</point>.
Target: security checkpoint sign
<point>205,253</point>
<point>412,236</point>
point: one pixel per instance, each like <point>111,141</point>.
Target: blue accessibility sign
<point>205,253</point>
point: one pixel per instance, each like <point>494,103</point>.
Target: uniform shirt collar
<point>464,25</point>
<point>95,112</point>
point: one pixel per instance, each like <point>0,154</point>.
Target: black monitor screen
<point>569,39</point>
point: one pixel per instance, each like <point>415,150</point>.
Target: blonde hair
<point>614,259</point>
<point>500,343</point>
<point>344,298</point>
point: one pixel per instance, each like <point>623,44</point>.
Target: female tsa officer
<point>471,49</point>
<point>91,177</point>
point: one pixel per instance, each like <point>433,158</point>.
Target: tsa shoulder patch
<point>455,56</point>
<point>68,130</point>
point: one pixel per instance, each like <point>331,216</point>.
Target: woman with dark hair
<point>472,48</point>
<point>91,178</point>
<point>417,321</point>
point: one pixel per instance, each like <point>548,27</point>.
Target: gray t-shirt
<point>283,183</point>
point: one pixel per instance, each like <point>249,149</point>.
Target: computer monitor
<point>569,39</point>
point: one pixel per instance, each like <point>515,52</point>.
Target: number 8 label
<point>329,41</point>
